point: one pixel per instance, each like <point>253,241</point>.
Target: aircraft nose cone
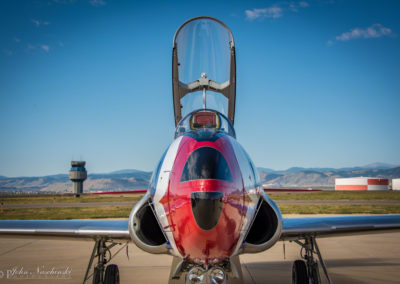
<point>206,208</point>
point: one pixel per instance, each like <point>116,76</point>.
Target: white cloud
<point>17,39</point>
<point>303,4</point>
<point>97,3</point>
<point>275,11</point>
<point>45,47</point>
<point>40,23</point>
<point>8,52</point>
<point>36,22</point>
<point>65,2</point>
<point>374,31</point>
<point>271,12</point>
<point>295,6</point>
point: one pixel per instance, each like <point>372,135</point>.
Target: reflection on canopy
<point>203,47</point>
<point>204,68</point>
<point>193,101</point>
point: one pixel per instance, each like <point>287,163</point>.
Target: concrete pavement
<point>352,259</point>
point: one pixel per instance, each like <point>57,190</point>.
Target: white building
<point>396,184</point>
<point>361,183</point>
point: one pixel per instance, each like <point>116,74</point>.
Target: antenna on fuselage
<point>204,75</point>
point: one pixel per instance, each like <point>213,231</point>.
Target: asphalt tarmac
<point>351,259</point>
<point>124,203</point>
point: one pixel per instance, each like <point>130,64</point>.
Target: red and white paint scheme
<point>203,198</point>
<point>205,204</point>
<point>361,183</point>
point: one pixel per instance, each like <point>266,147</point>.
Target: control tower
<point>78,175</point>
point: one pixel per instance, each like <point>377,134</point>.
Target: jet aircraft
<point>205,204</point>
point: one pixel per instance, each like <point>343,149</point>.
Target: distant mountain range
<point>377,166</point>
<point>324,177</point>
<point>131,179</point>
<point>114,181</point>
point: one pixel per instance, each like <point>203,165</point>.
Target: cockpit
<point>204,120</point>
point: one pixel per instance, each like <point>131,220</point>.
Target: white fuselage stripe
<point>250,188</point>
<point>161,190</point>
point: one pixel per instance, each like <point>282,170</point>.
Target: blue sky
<point>317,82</point>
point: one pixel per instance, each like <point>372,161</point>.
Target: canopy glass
<point>204,68</point>
<point>203,46</point>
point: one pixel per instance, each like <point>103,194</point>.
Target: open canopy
<point>203,68</point>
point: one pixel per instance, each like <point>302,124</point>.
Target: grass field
<point>123,211</point>
<point>339,209</point>
<point>65,213</point>
<point>336,195</point>
<point>68,199</point>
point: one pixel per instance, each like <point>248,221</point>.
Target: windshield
<point>206,163</point>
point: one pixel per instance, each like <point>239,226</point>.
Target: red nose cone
<point>206,214</point>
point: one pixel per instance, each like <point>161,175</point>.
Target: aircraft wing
<point>295,228</point>
<point>74,229</point>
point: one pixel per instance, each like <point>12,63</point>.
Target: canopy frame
<point>180,89</point>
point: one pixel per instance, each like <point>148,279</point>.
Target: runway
<point>124,203</point>
<point>353,259</point>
